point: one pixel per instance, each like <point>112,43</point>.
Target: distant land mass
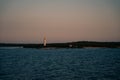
<point>78,44</point>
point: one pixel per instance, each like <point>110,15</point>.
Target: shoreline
<point>80,44</point>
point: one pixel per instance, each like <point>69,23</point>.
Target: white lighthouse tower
<point>44,41</point>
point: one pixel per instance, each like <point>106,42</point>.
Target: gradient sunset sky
<point>28,21</point>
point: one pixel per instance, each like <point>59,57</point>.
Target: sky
<point>28,21</point>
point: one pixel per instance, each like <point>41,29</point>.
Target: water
<point>59,64</point>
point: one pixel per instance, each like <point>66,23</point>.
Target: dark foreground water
<point>60,64</point>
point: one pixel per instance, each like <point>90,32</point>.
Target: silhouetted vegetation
<point>80,44</point>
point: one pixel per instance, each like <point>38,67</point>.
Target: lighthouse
<point>44,41</point>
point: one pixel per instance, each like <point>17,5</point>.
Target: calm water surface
<point>59,64</point>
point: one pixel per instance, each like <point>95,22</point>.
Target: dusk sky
<point>28,21</point>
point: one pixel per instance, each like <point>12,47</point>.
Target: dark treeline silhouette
<point>79,44</point>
